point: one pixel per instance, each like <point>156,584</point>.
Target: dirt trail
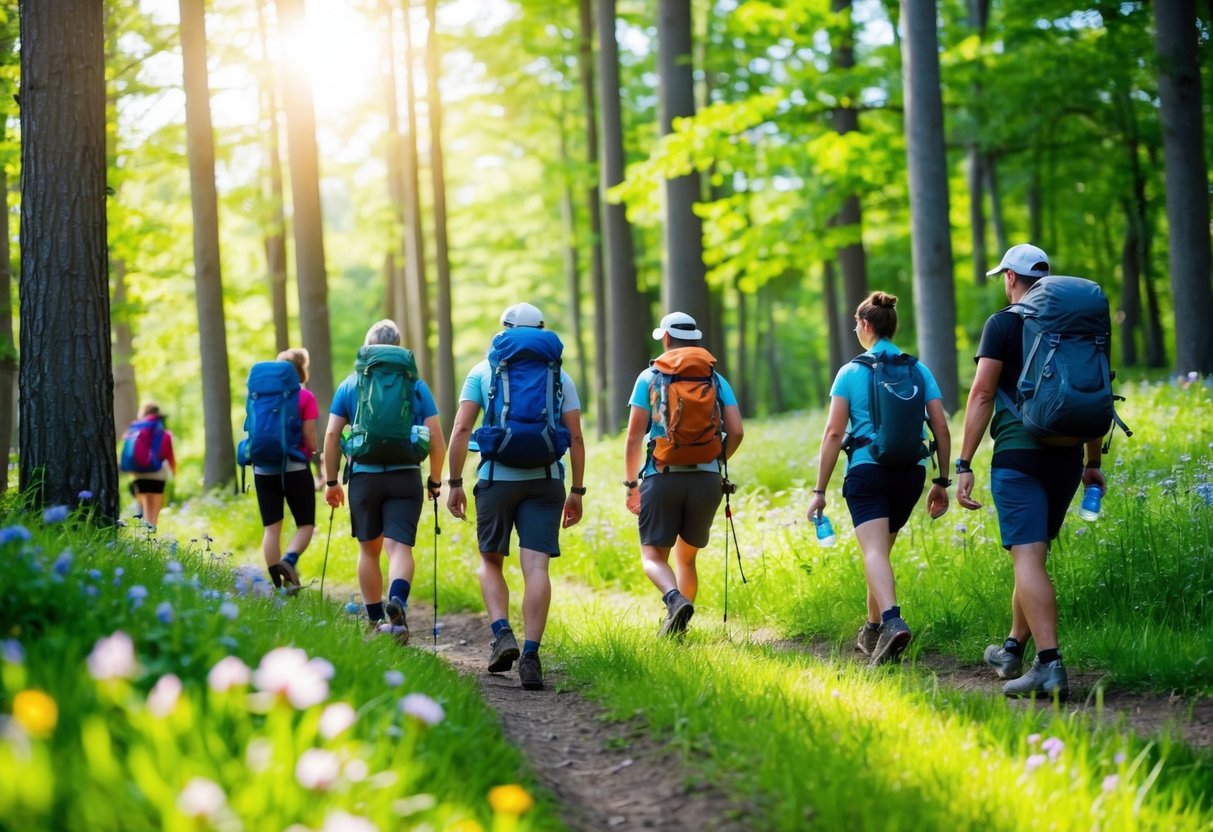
<point>604,774</point>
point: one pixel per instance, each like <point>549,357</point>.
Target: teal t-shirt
<point>345,405</point>
<point>642,397</point>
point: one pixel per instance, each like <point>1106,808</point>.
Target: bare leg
<point>400,563</point>
<point>1034,593</point>
<point>151,508</point>
<point>536,594</point>
<point>301,539</point>
<point>684,561</point>
<point>1019,622</point>
<point>271,543</point>
<point>370,573</point>
<point>657,567</point>
<point>876,543</point>
<point>493,587</point>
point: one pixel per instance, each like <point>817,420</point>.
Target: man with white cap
<point>1032,485</point>
<point>689,415</point>
<point>520,476</point>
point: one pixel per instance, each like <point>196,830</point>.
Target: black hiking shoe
<point>284,576</point>
<point>679,610</point>
<point>530,672</point>
<point>400,625</point>
<point>893,637</point>
<point>504,652</point>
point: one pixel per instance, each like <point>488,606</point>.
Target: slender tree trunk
<point>741,380</point>
<point>1130,293</point>
<point>66,377</point>
<point>931,242</point>
<point>572,261</point>
<point>770,341</point>
<point>414,252</point>
<point>8,349</point>
<point>445,365</point>
<point>852,258</point>
<point>1187,183</point>
<point>220,463</point>
<point>835,349</point>
<point>308,221</point>
<point>979,11</point>
<point>397,292</point>
<point>990,165</point>
<point>126,392</point>
<point>275,232</point>
<point>593,198</point>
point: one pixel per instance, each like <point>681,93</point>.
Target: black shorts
<point>387,504</point>
<point>295,487</point>
<point>873,491</point>
<point>148,486</point>
<point>534,507</point>
<point>679,504</point>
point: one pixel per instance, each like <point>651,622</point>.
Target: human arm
<point>168,453</point>
<point>831,444</point>
<point>1092,474</point>
<point>937,498</point>
<point>733,431</point>
<point>437,456</point>
<point>978,410</point>
<point>633,454</point>
<point>572,503</point>
<point>457,451</point>
<point>334,495</point>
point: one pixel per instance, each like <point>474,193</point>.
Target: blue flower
<point>63,563</point>
<point>91,591</point>
<point>229,610</point>
<point>12,651</point>
<point>165,612</point>
<point>95,574</point>
<point>1205,492</point>
<point>136,595</point>
<point>85,495</point>
<point>174,567</point>
<point>56,514</point>
<point>393,678</point>
<point>11,533</point>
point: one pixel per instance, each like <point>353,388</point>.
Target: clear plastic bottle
<point>1091,498</point>
<point>825,531</point>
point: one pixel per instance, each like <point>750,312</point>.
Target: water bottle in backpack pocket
<point>381,432</point>
<point>141,446</point>
<point>272,421</point>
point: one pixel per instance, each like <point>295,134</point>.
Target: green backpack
<point>382,431</point>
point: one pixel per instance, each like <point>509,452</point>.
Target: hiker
<point>677,486</point>
<point>532,416</point>
<point>1032,484</point>
<point>394,427</point>
<point>147,453</point>
<point>886,461</point>
<point>286,476</point>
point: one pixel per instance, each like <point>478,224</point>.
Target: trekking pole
<point>328,540</point>
<point>729,488</point>
<point>437,531</point>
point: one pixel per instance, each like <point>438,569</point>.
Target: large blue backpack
<point>522,422</point>
<point>1064,394</point>
<point>142,446</point>
<point>381,432</point>
<point>897,400</point>
<point>271,418</point>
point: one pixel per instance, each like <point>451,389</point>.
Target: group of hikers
<point>684,425</point>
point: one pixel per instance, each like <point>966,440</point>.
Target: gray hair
<point>383,332</point>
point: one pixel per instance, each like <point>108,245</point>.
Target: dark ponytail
<point>878,310</point>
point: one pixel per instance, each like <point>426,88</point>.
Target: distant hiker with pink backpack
<point>147,453</point>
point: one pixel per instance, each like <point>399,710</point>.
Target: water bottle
<point>420,436</point>
<point>825,531</point>
<point>1089,510</point>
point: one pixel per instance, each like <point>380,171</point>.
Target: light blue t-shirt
<point>476,389</point>
<point>643,398</point>
<point>854,383</point>
<point>345,405</point>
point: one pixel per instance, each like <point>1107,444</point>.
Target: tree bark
<point>219,466</point>
<point>572,261</point>
<point>445,365</point>
<point>1001,241</point>
<point>593,198</point>
<point>741,380</point>
<point>835,350</point>
<point>275,232</point>
<point>931,243</point>
<point>979,12</point>
<point>396,292</point>
<point>414,251</point>
<point>852,259</point>
<point>66,378</point>
<point>1186,183</point>
<point>8,349</point>
<point>1130,292</point>
<point>126,391</point>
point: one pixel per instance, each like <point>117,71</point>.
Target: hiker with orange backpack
<point>147,452</point>
<point>689,415</point>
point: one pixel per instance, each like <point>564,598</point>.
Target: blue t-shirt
<point>643,399</point>
<point>345,405</point>
<point>476,389</point>
<point>854,383</point>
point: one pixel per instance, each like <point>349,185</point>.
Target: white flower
<point>338,821</point>
<point>259,754</point>
<point>422,707</point>
<point>317,769</point>
<point>1111,782</point>
<point>162,700</point>
<point>227,673</point>
<point>112,657</point>
<point>356,770</point>
<point>336,718</point>
<point>202,798</point>
<point>286,671</point>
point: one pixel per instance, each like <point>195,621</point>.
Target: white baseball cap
<point>522,314</point>
<point>678,325</point>
<point>1023,259</point>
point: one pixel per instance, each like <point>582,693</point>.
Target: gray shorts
<point>534,507</point>
<point>387,504</point>
<point>679,504</point>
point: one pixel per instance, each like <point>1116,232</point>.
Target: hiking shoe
<point>1005,663</point>
<point>504,652</point>
<point>891,639</point>
<point>678,613</point>
<point>530,672</point>
<point>285,577</point>
<point>866,641</point>
<point>1048,679</point>
<point>395,616</point>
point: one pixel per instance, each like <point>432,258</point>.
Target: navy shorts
<point>387,504</point>
<point>296,488</point>
<point>534,507</point>
<point>873,491</point>
<point>680,504</point>
<point>1031,508</point>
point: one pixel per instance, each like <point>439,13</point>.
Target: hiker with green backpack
<point>878,406</point>
<point>393,429</point>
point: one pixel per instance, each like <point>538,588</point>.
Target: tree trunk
<point>445,365</point>
<point>931,243</point>
<point>126,392</point>
<point>66,379</point>
<point>852,258</point>
<point>572,262</point>
<point>397,291</point>
<point>1187,183</point>
<point>220,462</point>
<point>835,350</point>
<point>8,349</point>
<point>414,250</point>
<point>684,288</point>
<point>772,353</point>
<point>741,380</point>
<point>627,309</point>
<point>275,232</point>
<point>979,12</point>
<point>593,198</point>
<point>1130,292</point>
<point>990,165</point>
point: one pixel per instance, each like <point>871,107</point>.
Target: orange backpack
<point>686,402</point>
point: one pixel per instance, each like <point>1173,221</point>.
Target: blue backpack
<point>898,402</point>
<point>522,425</point>
<point>271,418</point>
<point>141,446</point>
<point>382,430</point>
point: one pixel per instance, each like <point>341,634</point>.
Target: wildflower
<point>356,770</point>
<point>229,610</point>
<point>63,563</point>
<point>336,718</point>
<point>510,800</point>
<point>164,612</point>
<point>56,514</point>
<point>1205,492</point>
<point>423,708</point>
<point>1111,782</point>
<point>1080,531</point>
<point>174,567</point>
<point>1119,758</point>
<point>202,798</point>
<point>162,700</point>
<point>961,528</point>
<point>112,657</point>
<point>36,712</point>
<point>85,495</point>
<point>1033,762</point>
<point>338,821</point>
<point>11,651</point>
<point>288,672</point>
<point>227,673</point>
<point>259,754</point>
<point>1053,747</point>
<point>91,591</point>
<point>1033,739</point>
<point>317,769</point>
<point>10,533</point>
<point>393,678</point>
<point>136,595</point>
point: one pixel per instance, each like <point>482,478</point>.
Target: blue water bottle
<point>1089,510</point>
<point>825,531</point>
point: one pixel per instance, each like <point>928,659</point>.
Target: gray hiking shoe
<point>866,641</point>
<point>1005,663</point>
<point>1047,679</point>
<point>530,672</point>
<point>891,639</point>
<point>399,623</point>
<point>678,612</point>
<point>504,652</point>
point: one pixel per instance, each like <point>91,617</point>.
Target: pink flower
<point>336,718</point>
<point>287,672</point>
<point>317,769</point>
<point>1053,747</point>
<point>112,658</point>
<point>1034,762</point>
<point>1111,782</point>
<point>202,798</point>
<point>162,700</point>
<point>1033,739</point>
<point>421,707</point>
<point>228,672</point>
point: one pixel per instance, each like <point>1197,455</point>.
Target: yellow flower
<point>36,712</point>
<point>510,800</point>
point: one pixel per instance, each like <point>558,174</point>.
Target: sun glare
<point>339,50</point>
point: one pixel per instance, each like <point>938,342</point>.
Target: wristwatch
<point>942,481</point>
<point>331,483</point>
<point>962,466</point>
<point>580,492</point>
<point>630,484</point>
